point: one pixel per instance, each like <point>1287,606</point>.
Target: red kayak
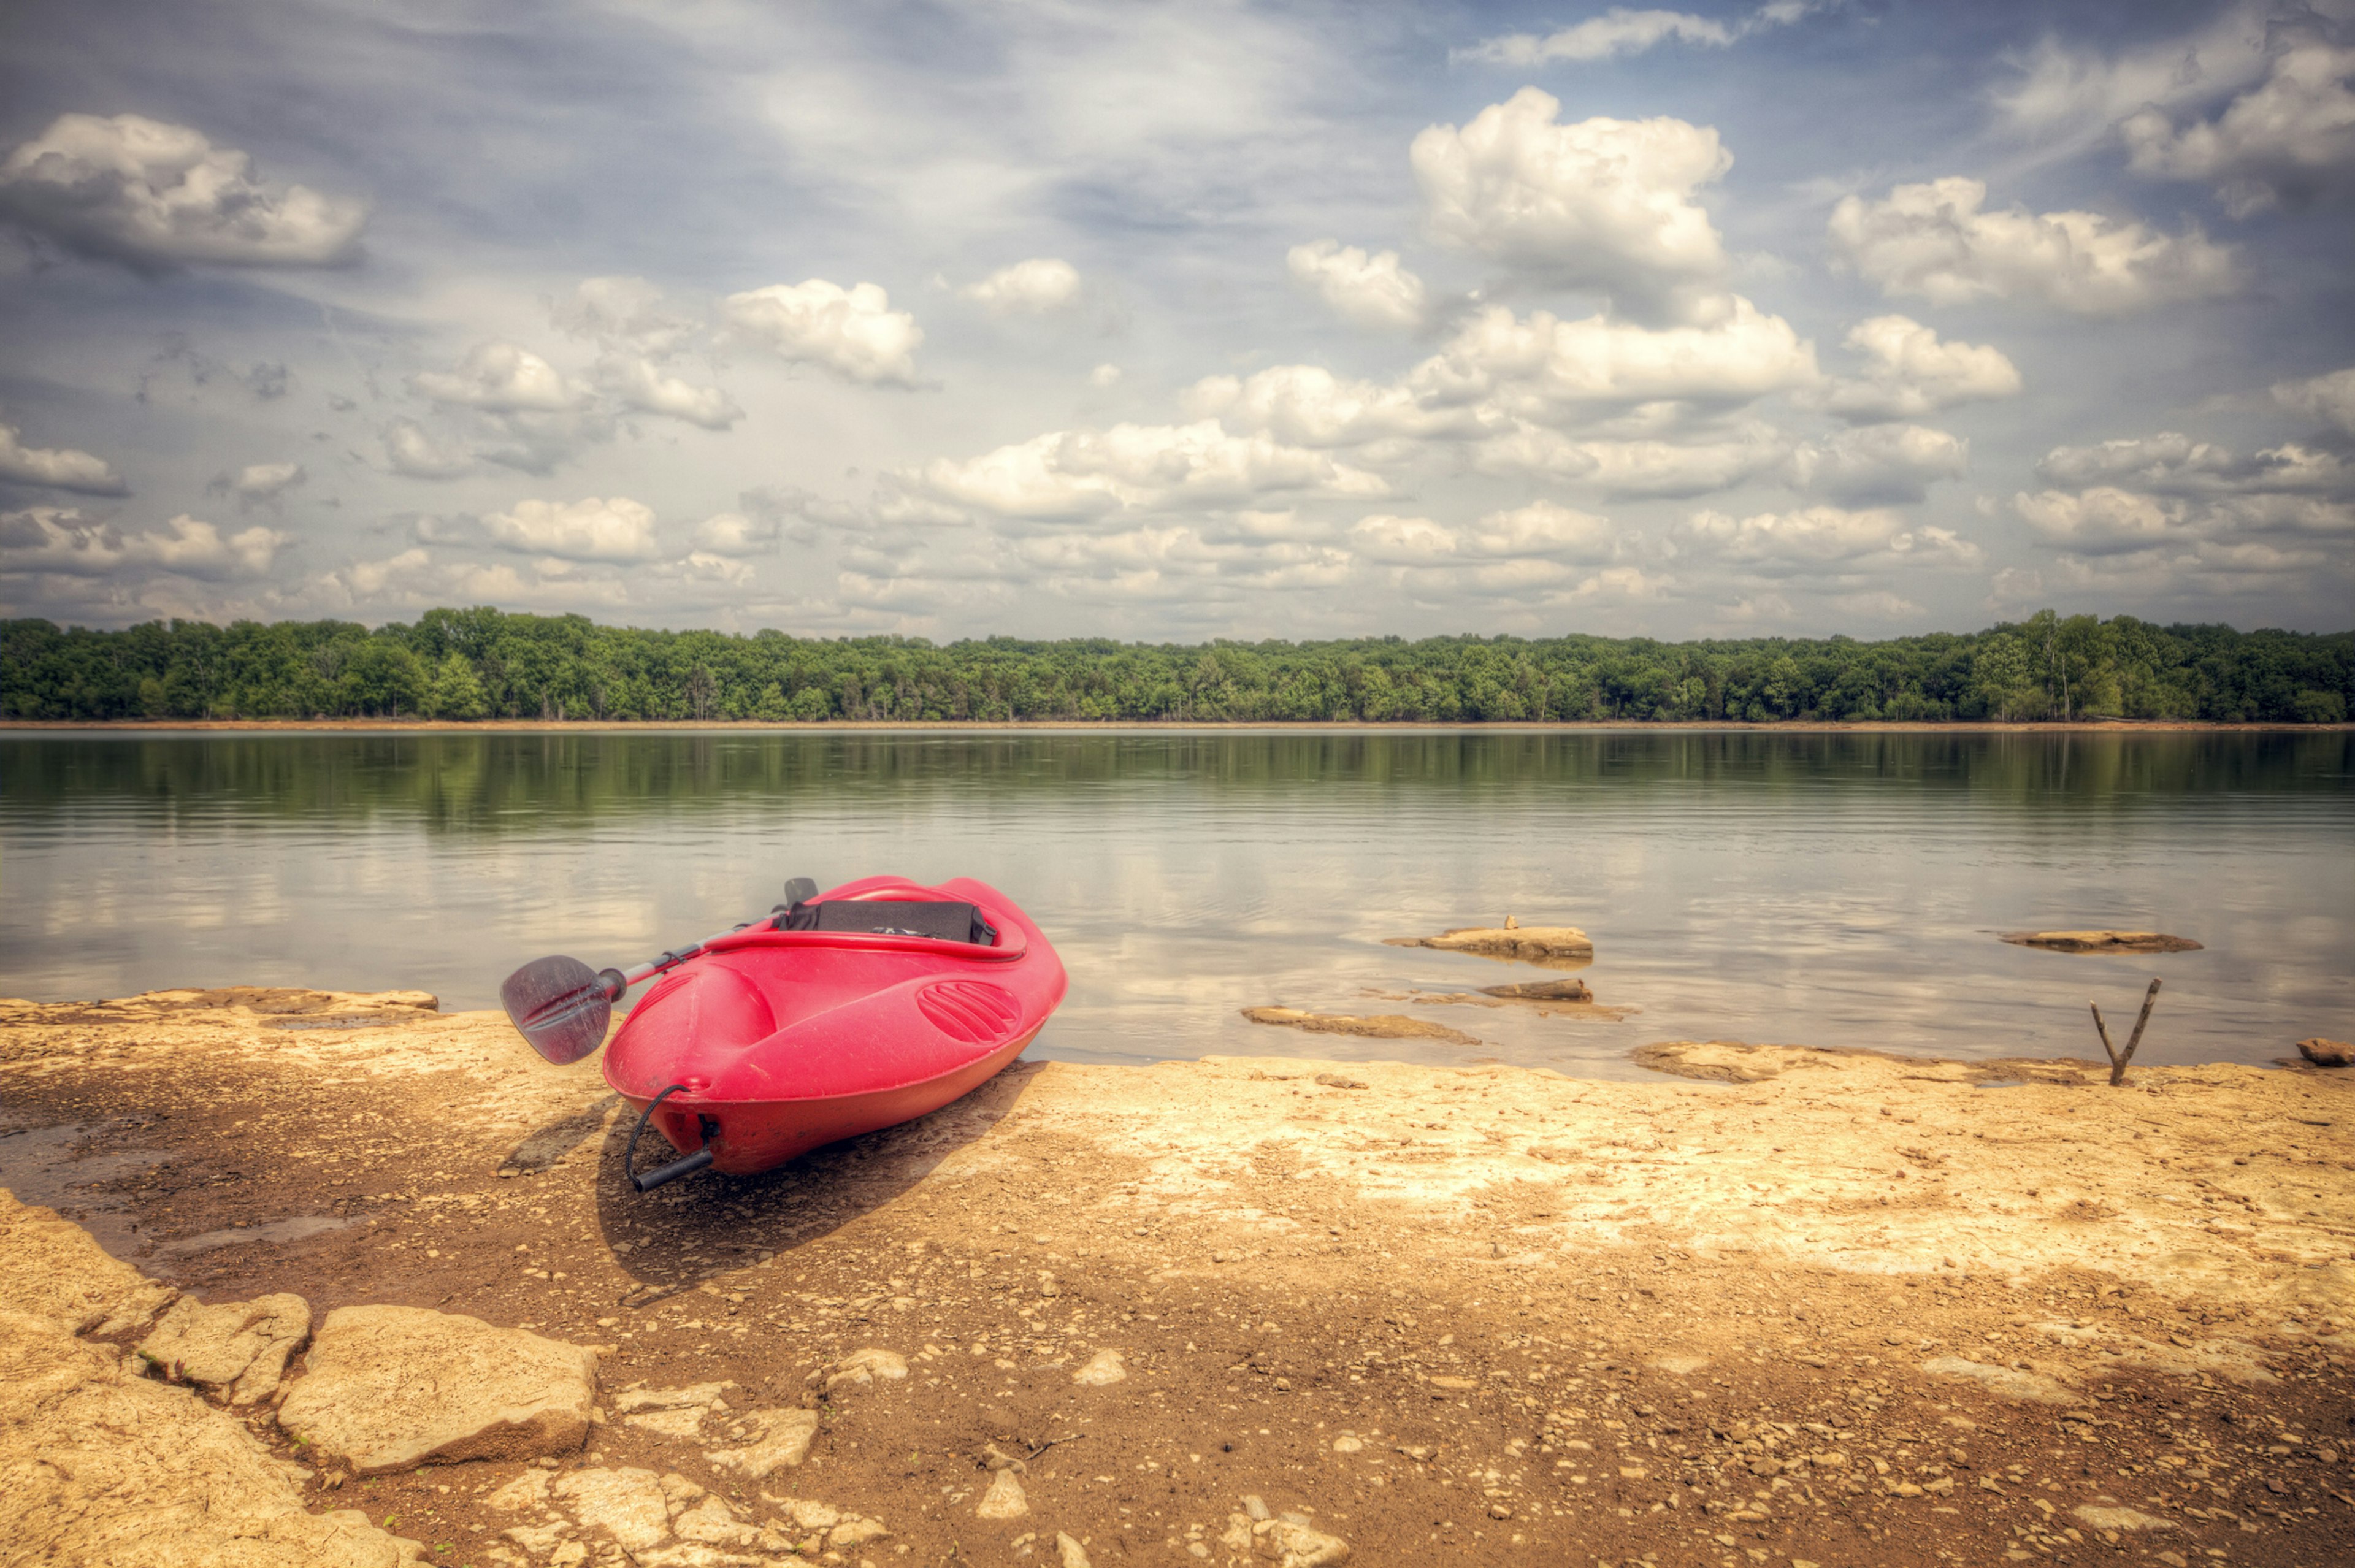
<point>853,1009</point>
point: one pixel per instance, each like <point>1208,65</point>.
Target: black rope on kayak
<point>685,1166</point>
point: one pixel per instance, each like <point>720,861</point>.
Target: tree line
<point>484,663</point>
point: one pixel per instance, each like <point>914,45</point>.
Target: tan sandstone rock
<point>1530,944</point>
<point>2102,941</point>
<point>1375,1026</point>
<point>1005,1498</point>
<point>52,1270</point>
<point>774,1440</point>
<point>627,1504</point>
<point>103,1469</point>
<point>237,1348</point>
<point>386,1388</point>
<point>861,1368</point>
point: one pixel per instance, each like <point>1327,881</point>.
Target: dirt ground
<point>1782,1306</point>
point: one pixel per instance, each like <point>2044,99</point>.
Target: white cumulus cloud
<point>411,449</point>
<point>736,534</point>
<point>1880,464</point>
<point>1935,241</point>
<point>1603,203</point>
<point>1366,291</point>
<point>640,383</point>
<point>1910,373</point>
<point>1071,475</point>
<point>55,467</point>
<point>2284,142</point>
<point>150,193</point>
<point>1548,370</point>
<point>587,530</point>
<point>853,332</point>
<point>504,379</point>
<point>1034,287</point>
<point>623,310</point>
<point>2327,398</point>
<point>2176,464</point>
<point>55,539</point>
<point>1307,405</point>
<point>1618,31</point>
<point>2102,520</point>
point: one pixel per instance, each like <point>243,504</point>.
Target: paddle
<point>564,1008</point>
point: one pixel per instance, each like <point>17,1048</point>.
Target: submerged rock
<point>1529,942</point>
<point>1541,991</point>
<point>2102,941</point>
<point>1379,1025</point>
<point>2326,1053</point>
<point>386,1388</point>
<point>239,1349</point>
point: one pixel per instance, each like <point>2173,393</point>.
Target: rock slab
<point>52,1270</point>
<point>388,1388</point>
<point>238,1348</point>
<point>100,1466</point>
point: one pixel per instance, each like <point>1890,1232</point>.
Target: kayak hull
<point>781,1041</point>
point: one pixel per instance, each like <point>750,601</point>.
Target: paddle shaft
<point>669,960</point>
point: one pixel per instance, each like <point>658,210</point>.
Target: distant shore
<point>1131,725</point>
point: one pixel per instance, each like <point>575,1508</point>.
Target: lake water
<point>1822,888</point>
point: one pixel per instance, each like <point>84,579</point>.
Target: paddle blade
<point>560,1004</point>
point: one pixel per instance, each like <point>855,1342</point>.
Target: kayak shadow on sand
<point>677,1236</point>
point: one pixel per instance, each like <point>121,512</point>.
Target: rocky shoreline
<point>372,1291</point>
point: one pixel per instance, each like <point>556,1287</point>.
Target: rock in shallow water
<point>386,1388</point>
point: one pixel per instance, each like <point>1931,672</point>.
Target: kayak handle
<point>685,1166</point>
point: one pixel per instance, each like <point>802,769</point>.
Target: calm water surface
<point>1838,890</point>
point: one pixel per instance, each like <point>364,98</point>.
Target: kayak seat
<point>940,920</point>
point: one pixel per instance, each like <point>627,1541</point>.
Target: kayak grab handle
<point>687,1165</point>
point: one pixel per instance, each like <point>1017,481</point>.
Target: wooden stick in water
<point>2149,1001</point>
<point>2117,1067</point>
<point>2119,1059</point>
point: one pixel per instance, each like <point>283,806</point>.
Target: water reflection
<point>1837,887</point>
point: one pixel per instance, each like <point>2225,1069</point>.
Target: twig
<point>1050,1443</point>
<point>2119,1059</point>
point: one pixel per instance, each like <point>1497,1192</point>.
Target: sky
<point>1172,321</point>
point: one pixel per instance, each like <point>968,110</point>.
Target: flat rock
<point>775,1440</point>
<point>1380,1026</point>
<point>2103,1516</point>
<point>625,1503</point>
<point>239,1349</point>
<point>2010,1382</point>
<point>861,1368</point>
<point>98,1466</point>
<point>387,1387</point>
<point>51,1269</point>
<point>1528,943</point>
<point>2103,941</point>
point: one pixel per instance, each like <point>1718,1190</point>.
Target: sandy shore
<point>1778,1306</point>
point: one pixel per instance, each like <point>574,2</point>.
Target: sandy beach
<point>1777,1305</point>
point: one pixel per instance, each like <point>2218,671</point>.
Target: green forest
<point>486,663</point>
